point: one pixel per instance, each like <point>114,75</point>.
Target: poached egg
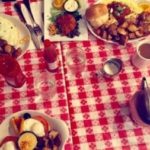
<point>34,126</point>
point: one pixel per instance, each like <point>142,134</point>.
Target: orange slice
<point>145,6</point>
<point>58,4</point>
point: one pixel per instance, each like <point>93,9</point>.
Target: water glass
<point>45,85</point>
<point>75,59</point>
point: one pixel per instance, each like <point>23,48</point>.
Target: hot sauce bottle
<point>11,71</point>
<point>51,56</point>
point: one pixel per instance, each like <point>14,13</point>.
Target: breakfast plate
<point>136,12</point>
<point>83,31</point>
<point>14,32</point>
<point>109,41</point>
<point>57,124</point>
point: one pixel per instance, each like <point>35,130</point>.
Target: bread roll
<point>97,15</point>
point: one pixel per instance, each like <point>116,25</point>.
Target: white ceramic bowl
<point>57,124</point>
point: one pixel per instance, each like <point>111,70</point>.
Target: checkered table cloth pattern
<point>96,107</point>
<point>26,97</point>
<point>99,111</point>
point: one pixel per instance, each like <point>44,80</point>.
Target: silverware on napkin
<point>30,28</point>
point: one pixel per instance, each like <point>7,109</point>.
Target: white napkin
<point>37,10</point>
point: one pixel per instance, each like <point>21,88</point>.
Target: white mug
<point>141,58</point>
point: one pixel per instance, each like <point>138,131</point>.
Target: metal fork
<point>37,29</point>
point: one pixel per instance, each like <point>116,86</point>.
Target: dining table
<point>95,109</point>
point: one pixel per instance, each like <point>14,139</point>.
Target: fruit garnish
<point>26,116</point>
<point>27,141</point>
<point>58,4</point>
<point>46,124</point>
<point>145,6</point>
<point>16,123</point>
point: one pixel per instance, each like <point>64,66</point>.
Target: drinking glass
<point>75,59</point>
<point>45,85</point>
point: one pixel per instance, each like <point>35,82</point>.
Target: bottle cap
<point>47,43</point>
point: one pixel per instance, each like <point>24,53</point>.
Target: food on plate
<point>32,132</point>
<point>34,126</point>
<point>58,4</point>
<point>27,141</point>
<point>97,15</point>
<point>8,142</point>
<point>119,10</point>
<point>124,22</point>
<point>9,32</point>
<point>10,145</point>
<point>52,29</point>
<point>71,5</point>
<point>47,126</point>
<point>132,4</point>
<point>16,123</point>
<point>6,48</point>
<point>65,22</point>
<point>26,116</point>
<point>145,6</point>
<point>54,138</point>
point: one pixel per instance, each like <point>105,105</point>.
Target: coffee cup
<point>141,58</point>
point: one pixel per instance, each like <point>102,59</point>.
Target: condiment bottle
<point>11,71</point>
<point>51,56</point>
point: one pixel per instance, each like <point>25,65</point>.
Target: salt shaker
<point>51,56</point>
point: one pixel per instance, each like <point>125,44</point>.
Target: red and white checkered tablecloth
<point>26,97</point>
<point>96,107</point>
<point>99,111</point>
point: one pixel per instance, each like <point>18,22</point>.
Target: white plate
<point>82,25</point>
<point>23,32</point>
<point>109,41</point>
<point>57,124</point>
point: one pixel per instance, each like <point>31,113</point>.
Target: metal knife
<point>30,28</point>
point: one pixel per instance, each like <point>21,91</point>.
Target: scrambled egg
<point>132,4</point>
<point>9,32</point>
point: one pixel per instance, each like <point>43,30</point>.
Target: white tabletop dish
<point>90,28</point>
<point>82,25</point>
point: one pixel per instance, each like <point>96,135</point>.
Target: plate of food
<point>14,36</point>
<point>30,129</point>
<point>119,21</point>
<point>64,20</point>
